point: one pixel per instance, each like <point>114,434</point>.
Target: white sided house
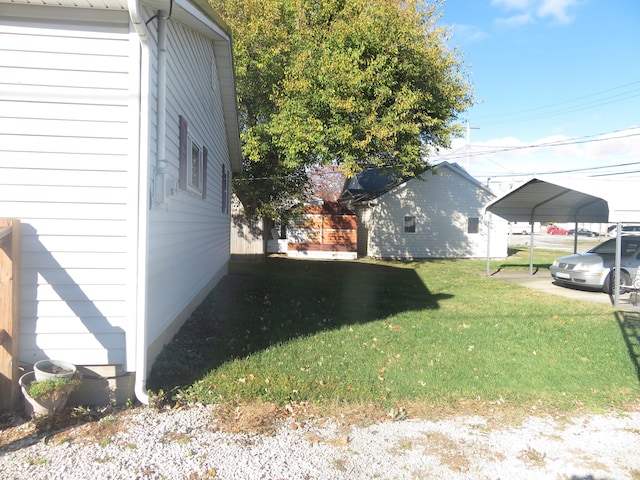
<point>438,214</point>
<point>118,139</point>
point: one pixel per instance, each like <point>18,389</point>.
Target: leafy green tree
<point>357,83</point>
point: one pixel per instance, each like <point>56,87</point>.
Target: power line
<point>616,173</point>
<point>461,153</point>
<point>563,102</point>
<point>573,109</point>
<point>574,170</point>
<point>555,143</point>
<point>524,115</point>
<point>559,143</point>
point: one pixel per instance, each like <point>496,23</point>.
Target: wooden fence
<point>9,312</point>
<point>327,228</point>
<point>247,236</point>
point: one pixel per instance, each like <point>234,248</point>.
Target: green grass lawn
<point>398,333</point>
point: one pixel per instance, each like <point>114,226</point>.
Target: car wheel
<point>608,286</point>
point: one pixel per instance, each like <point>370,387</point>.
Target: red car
<point>556,230</point>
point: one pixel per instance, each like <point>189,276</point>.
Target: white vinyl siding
<point>443,205</point>
<point>65,171</point>
<point>189,240</point>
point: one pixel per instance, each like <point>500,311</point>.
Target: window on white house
<point>409,224</point>
<point>193,162</point>
<point>473,225</point>
<point>195,166</point>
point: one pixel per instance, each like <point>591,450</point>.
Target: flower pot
<point>52,369</point>
<point>35,407</point>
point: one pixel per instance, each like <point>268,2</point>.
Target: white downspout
<point>137,20</point>
<point>161,163</point>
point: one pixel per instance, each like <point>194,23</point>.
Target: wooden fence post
<point>9,312</point>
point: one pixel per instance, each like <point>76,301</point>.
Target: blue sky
<point>561,72</point>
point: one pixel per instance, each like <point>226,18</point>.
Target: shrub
<point>51,389</point>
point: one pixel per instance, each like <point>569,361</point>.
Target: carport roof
<point>552,199</point>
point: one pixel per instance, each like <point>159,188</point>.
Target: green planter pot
<point>53,369</point>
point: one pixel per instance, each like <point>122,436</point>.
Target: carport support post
<point>616,273</point>
<point>488,245</point>
<point>531,240</point>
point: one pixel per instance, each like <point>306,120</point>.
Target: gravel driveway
<point>191,443</point>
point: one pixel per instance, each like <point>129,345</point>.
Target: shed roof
<point>546,199</point>
<point>375,182</point>
<point>370,184</point>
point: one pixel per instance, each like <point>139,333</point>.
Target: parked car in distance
<point>594,268</point>
<point>556,230</point>
<point>583,232</point>
<point>612,231</point>
<point>523,228</point>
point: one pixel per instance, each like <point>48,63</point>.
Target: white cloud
<point>513,4</point>
<point>508,160</point>
<point>469,33</point>
<point>623,144</point>
<point>529,10</point>
<point>557,9</point>
<point>515,20</point>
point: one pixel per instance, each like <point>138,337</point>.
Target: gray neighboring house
<point>438,214</point>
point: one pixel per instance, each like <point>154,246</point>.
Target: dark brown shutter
<point>205,162</point>
<point>182,170</point>
<point>225,193</point>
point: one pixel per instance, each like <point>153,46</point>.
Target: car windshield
<point>629,246</point>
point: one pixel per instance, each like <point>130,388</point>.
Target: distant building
<point>438,214</point>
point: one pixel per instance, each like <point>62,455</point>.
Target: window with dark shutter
<point>225,190</point>
<point>205,162</point>
<point>182,170</point>
<point>193,158</point>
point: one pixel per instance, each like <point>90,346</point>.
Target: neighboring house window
<point>225,190</point>
<point>193,162</point>
<point>473,225</point>
<point>409,224</point>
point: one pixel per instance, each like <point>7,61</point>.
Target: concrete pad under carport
<point>543,282</point>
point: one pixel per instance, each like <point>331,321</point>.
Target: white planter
<point>52,369</point>
<point>38,407</point>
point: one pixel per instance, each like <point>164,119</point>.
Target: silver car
<point>594,269</point>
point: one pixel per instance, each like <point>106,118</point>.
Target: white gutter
<point>137,20</point>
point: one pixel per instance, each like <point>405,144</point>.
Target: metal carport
<point>578,200</point>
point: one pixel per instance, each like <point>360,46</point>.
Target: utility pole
<point>469,127</point>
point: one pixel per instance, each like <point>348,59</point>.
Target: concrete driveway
<point>542,281</point>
